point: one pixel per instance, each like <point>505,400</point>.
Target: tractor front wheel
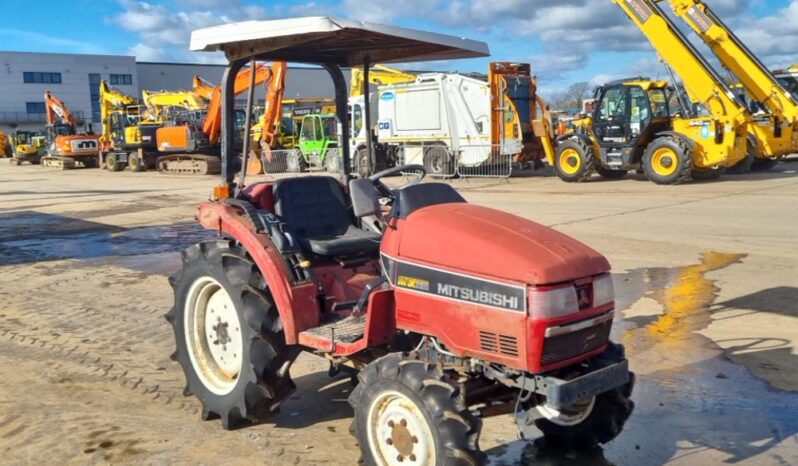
<point>407,413</point>
<point>593,420</point>
<point>228,334</point>
<point>574,160</point>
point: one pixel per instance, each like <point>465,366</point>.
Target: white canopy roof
<point>327,40</point>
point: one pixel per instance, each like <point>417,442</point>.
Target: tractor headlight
<point>550,303</point>
<point>603,291</point>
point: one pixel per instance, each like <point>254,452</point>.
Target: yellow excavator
<point>379,75</point>
<point>776,130</point>
<point>128,132</point>
<point>27,146</point>
<point>634,126</point>
<point>3,144</point>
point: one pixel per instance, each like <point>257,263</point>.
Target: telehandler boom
<point>781,137</point>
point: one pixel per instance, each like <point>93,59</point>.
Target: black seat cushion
<point>417,196</point>
<point>315,211</point>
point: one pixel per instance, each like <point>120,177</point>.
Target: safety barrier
<point>471,161</point>
<point>484,161</point>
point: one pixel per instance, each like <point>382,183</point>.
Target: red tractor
<point>448,311</point>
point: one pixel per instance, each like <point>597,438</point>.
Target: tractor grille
<point>502,344</point>
<point>573,344</point>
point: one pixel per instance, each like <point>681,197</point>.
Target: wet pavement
<point>709,320</point>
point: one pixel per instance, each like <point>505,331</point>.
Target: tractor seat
<point>315,212</point>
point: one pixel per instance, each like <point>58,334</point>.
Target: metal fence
<point>472,161</point>
<point>484,161</point>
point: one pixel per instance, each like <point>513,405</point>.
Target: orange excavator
<point>270,120</point>
<point>65,148</point>
<point>173,138</point>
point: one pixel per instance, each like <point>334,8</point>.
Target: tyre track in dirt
<point>98,332</point>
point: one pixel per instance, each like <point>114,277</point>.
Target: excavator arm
<point>54,108</point>
<point>203,88</point>
<point>212,125</point>
<point>755,77</point>
<point>274,103</point>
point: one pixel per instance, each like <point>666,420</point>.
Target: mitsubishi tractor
<point>447,311</point>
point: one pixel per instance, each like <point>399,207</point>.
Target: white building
<point>75,79</point>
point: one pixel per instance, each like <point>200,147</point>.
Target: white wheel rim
<point>398,433</point>
<point>570,415</point>
<point>213,335</point>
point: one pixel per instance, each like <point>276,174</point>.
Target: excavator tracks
<point>61,163</point>
<point>189,164</point>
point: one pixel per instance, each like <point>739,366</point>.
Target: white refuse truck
<point>449,121</point>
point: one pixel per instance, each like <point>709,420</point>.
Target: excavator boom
<point>156,102</point>
<point>274,103</point>
<point>380,75</point>
<point>54,107</point>
<point>212,126</point>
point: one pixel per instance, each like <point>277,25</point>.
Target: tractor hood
<point>477,240</point>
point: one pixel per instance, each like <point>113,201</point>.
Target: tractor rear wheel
<point>595,420</point>
<point>610,173</point>
<point>667,160</point>
<point>406,413</point>
<point>228,334</point>
<point>574,160</point>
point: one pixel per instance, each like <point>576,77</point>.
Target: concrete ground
<point>707,293</point>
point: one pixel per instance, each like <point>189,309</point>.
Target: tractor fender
<point>690,143</point>
<point>296,305</point>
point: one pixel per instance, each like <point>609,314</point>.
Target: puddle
<point>693,404</point>
<point>27,237</point>
<point>685,295</point>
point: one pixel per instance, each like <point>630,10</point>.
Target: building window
<point>35,107</point>
<point>94,93</point>
<point>117,79</point>
<point>39,77</point>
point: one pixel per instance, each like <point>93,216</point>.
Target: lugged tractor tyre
<point>605,421</point>
<point>262,381</point>
<point>574,160</point>
<point>405,408</point>
<point>668,160</point>
<point>609,173</point>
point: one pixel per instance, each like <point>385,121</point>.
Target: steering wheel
<point>384,190</point>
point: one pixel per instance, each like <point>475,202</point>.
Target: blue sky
<point>565,41</point>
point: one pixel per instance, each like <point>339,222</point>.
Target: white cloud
<point>163,33</point>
